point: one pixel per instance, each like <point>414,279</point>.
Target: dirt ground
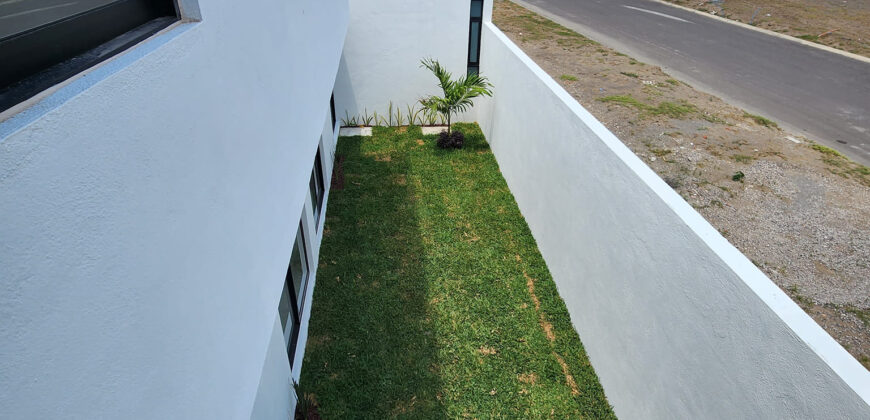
<point>812,20</point>
<point>799,211</point>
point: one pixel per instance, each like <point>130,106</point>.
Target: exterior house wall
<point>275,391</point>
<point>147,213</point>
<point>676,321</point>
<point>386,40</point>
<point>275,395</point>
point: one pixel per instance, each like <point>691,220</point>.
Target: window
<point>293,296</point>
<point>332,109</point>
<point>474,36</point>
<point>315,187</point>
<point>43,42</point>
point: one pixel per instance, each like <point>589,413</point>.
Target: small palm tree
<point>457,93</point>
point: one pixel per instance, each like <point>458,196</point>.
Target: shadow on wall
<point>352,111</point>
<point>345,94</point>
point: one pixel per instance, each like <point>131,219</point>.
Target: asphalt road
<point>816,93</point>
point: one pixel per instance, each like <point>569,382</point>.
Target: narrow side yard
<point>432,299</point>
<point>800,211</point>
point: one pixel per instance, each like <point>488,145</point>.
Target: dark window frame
<point>474,65</point>
<point>41,57</point>
<point>332,109</point>
<point>297,305</point>
<point>318,187</point>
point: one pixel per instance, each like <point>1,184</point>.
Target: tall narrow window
<point>316,187</point>
<point>332,109</point>
<point>474,36</point>
<point>293,296</point>
<point>43,42</point>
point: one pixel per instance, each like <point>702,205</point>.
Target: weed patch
<point>862,314</point>
<point>674,110</point>
<point>826,150</point>
<point>669,109</point>
<point>761,120</point>
<point>799,298</point>
<point>712,118</point>
<point>660,152</point>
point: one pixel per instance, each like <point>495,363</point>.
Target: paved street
<point>819,94</point>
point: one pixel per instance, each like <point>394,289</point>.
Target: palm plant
<point>457,93</point>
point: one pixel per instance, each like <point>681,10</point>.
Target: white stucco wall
<point>385,42</point>
<point>676,321</point>
<point>275,392</point>
<point>147,213</point>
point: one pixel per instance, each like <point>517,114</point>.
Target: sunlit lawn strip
<point>432,299</point>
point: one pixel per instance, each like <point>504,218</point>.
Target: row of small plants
<point>394,117</point>
<point>458,95</point>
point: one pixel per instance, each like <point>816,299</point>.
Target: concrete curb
<point>355,131</point>
<point>367,131</point>
<point>436,129</point>
<point>769,32</point>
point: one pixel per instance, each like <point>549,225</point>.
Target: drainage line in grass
<point>548,331</point>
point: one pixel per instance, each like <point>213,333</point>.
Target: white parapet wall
<point>676,321</point>
<point>386,40</point>
<point>147,214</point>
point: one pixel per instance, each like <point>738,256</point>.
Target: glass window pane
<point>332,109</point>
<point>284,306</point>
<point>298,268</point>
<point>312,190</point>
<point>318,173</point>
<point>20,16</point>
<point>474,40</point>
<point>291,337</point>
<point>476,8</point>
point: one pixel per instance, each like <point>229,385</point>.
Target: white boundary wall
<point>676,321</point>
<point>386,40</point>
<point>147,213</point>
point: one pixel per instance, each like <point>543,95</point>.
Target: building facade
<point>152,204</point>
<point>163,197</point>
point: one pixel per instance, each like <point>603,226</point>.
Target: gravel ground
<point>799,211</point>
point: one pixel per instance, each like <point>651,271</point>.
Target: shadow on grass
<point>371,351</point>
<point>432,298</point>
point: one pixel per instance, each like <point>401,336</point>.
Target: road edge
<point>769,32</point>
<point>610,42</point>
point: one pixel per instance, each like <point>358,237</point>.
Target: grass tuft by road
<point>761,120</point>
<point>432,299</point>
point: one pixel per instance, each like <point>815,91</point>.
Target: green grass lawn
<point>432,299</point>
